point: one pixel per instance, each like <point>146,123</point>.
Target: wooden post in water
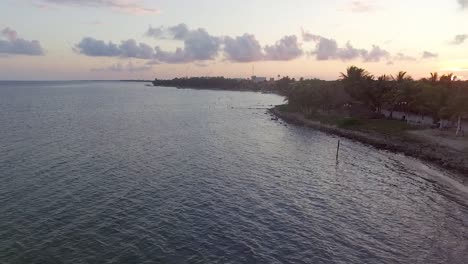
<point>338,150</point>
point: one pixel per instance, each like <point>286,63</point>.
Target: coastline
<point>410,145</point>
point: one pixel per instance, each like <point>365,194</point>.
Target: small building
<point>256,79</point>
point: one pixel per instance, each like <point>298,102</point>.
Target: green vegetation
<point>362,97</point>
<point>217,83</point>
<point>381,126</point>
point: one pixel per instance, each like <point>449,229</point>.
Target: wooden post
<point>338,150</point>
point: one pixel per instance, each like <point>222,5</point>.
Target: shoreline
<point>444,157</point>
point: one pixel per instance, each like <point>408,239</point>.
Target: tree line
<point>443,97</point>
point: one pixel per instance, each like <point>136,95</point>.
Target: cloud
<point>245,48</point>
<point>375,54</point>
<point>177,32</point>
<point>131,49</point>
<point>350,53</point>
<point>97,48</point>
<point>287,48</point>
<point>199,45</point>
<point>18,46</point>
<point>402,57</point>
<point>459,39</point>
<point>127,6</point>
<point>325,49</point>
<point>181,31</point>
<point>118,67</point>
<point>463,3</point>
<point>359,6</point>
<point>128,49</point>
<point>328,49</point>
<point>155,32</point>
<point>429,55</point>
<point>10,34</point>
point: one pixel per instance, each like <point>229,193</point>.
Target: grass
<point>382,126</point>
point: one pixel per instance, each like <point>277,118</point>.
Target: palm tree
<point>355,81</point>
<point>434,77</point>
<point>396,95</point>
<point>354,74</point>
<point>447,80</point>
<point>400,77</point>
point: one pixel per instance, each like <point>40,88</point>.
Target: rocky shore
<point>447,158</point>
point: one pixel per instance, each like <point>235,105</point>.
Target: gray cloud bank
<point>13,45</point>
<point>126,49</point>
<point>328,49</point>
<point>199,46</point>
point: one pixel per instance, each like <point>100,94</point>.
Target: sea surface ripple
<point>113,172</point>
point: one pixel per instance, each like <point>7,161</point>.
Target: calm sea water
<point>109,172</point>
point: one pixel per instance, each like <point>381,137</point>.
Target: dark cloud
<point>118,67</point>
<point>129,6</point>
<point>460,39</point>
<point>19,46</point>
<point>285,49</point>
<point>128,48</point>
<point>429,55</point>
<point>245,48</point>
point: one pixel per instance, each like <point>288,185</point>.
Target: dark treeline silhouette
<point>441,98</point>
<point>219,83</point>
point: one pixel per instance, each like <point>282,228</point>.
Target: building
<point>256,79</point>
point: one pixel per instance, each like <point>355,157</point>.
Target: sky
<point>147,39</point>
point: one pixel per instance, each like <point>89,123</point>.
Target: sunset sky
<point>132,39</point>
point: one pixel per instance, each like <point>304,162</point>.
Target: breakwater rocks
<point>442,156</point>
